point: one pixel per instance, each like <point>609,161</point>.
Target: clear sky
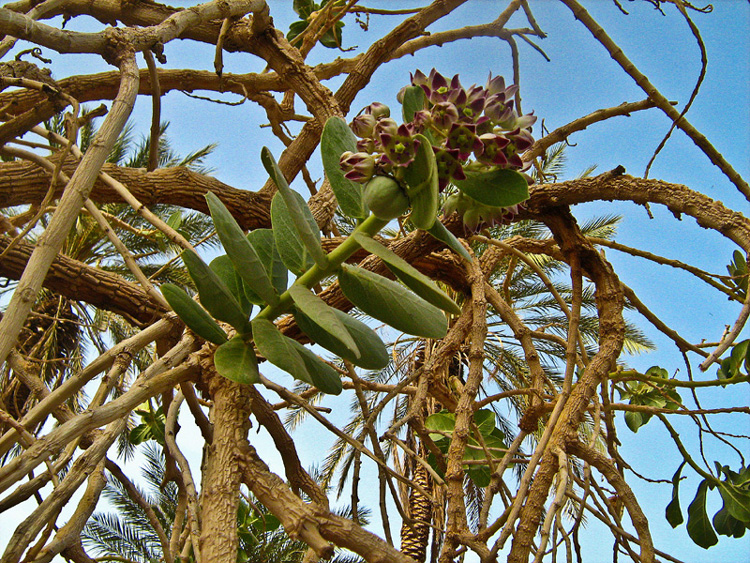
<point>579,79</point>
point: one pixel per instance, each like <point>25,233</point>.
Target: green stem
<point>370,226</point>
<point>685,455</point>
<point>632,375</point>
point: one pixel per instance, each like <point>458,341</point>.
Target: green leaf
<point>673,511</point>
<point>323,316</point>
<point>332,38</point>
<point>292,251</point>
<point>175,220</point>
<point>443,421</point>
<point>373,353</point>
<point>390,302</point>
<point>727,525</point>
<point>303,8</point>
<point>295,28</point>
<point>240,251</point>
<point>634,420</point>
<point>422,186</point>
<point>263,242</point>
<point>337,138</point>
<point>499,187</point>
<point>739,355</point>
<point>485,421</point>
<point>225,269</point>
<point>414,101</point>
<point>422,173</point>
<point>737,500</point>
<point>699,527</point>
<point>656,371</point>
<point>300,213</point>
<point>410,276</point>
<point>480,475</point>
<point>442,234</point>
<point>192,314</point>
<point>215,296</point>
<point>236,360</point>
<point>294,358</point>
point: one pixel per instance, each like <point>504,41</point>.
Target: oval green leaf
<point>240,251</point>
<point>295,359</point>
<point>225,269</point>
<point>215,296</point>
<point>300,214</point>
<point>699,526</point>
<point>392,303</point>
<point>498,188</point>
<point>441,233</point>
<point>337,138</point>
<point>373,353</point>
<point>424,194</point>
<point>292,251</point>
<point>414,101</point>
<point>324,316</point>
<point>673,512</point>
<point>410,276</point>
<point>736,500</point>
<point>263,242</point>
<point>236,360</point>
<point>192,314</point>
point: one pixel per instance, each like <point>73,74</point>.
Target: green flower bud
<point>385,198</point>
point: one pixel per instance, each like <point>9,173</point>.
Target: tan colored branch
<point>77,192</point>
<point>653,93</point>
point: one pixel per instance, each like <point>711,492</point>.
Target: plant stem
<point>315,274</point>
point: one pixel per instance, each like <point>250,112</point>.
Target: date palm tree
<point>60,330</point>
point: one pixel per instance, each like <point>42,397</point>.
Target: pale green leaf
<point>293,252</point>
<point>240,251</point>
<point>337,138</point>
<point>300,214</point>
<point>192,314</point>
<point>215,296</point>
<point>373,353</point>
<point>323,316</point>
<point>410,276</point>
<point>236,360</point>
<point>390,302</point>
<point>295,359</point>
<point>500,187</point>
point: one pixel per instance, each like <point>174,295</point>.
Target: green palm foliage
<point>60,330</point>
<point>127,533</point>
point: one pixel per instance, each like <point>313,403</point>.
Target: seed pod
<point>385,198</point>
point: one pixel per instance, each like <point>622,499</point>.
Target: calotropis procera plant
<point>405,169</point>
<point>475,135</point>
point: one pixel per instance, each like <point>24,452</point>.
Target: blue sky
<point>579,79</point>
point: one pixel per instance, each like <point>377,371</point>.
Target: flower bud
<point>377,110</point>
<point>358,167</point>
<point>363,125</point>
<point>385,198</point>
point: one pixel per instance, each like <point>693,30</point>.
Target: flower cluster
<point>471,129</point>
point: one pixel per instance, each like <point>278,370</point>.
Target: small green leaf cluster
<point>255,271</point>
<point>732,366</point>
<point>650,393</point>
<point>151,426</point>
<point>485,438</point>
<point>306,10</point>
<point>739,273</point>
<point>733,518</point>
